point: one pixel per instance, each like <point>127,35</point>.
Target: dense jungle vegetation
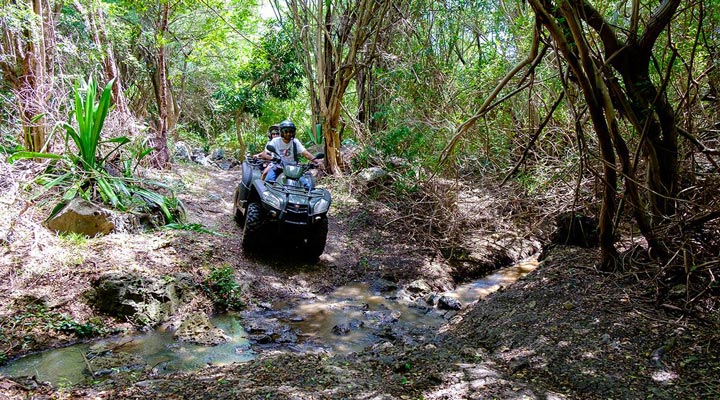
<point>624,92</point>
<point>610,107</point>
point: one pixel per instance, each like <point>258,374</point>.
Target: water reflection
<point>158,349</point>
<point>473,291</point>
<point>347,320</point>
<point>351,317</point>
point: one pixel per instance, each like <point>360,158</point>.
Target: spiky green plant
<point>90,116</point>
<point>84,174</point>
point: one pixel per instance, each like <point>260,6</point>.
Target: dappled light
<point>379,200</point>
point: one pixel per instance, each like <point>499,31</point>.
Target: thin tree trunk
<point>96,26</point>
<point>162,156</point>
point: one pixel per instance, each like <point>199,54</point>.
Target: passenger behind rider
<point>288,148</point>
<point>273,132</point>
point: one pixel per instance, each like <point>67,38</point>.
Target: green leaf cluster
<point>90,116</point>
<point>89,174</point>
<point>223,290</point>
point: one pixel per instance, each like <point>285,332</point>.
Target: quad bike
<point>287,212</point>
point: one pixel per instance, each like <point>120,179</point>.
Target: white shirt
<point>285,150</point>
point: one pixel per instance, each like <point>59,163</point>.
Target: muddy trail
<point>564,330</point>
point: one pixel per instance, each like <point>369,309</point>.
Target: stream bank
<point>564,331</point>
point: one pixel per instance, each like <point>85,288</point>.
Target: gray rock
<point>198,329</point>
<point>371,175</point>
<point>382,286</point>
<point>182,152</point>
<point>82,217</point>
<point>145,301</point>
<point>419,287</point>
<point>109,363</point>
<point>217,154</point>
<point>449,303</point>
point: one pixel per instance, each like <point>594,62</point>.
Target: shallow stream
<point>347,320</point>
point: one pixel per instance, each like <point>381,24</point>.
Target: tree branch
<point>658,21</point>
<point>533,58</point>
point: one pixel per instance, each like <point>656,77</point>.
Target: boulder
<point>372,175</point>
<point>449,303</point>
<point>109,362</point>
<point>143,300</point>
<point>182,152</point>
<point>217,154</point>
<point>419,286</point>
<point>82,217</point>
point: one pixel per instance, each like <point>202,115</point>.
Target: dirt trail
<point>564,332</point>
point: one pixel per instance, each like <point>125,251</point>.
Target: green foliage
<point>90,117</point>
<point>81,330</point>
<point>316,136</point>
<point>222,289</point>
<point>75,239</point>
<point>87,173</point>
<point>273,71</point>
<point>9,145</point>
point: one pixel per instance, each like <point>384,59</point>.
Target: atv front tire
<point>317,236</point>
<point>252,231</point>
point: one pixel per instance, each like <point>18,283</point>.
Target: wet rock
<point>344,329</point>
<point>143,300</point>
<point>82,217</point>
<point>449,303</point>
<point>380,319</point>
<point>261,339</point>
<point>109,362</point>
<point>198,329</point>
<point>379,286</point>
<point>419,287</point>
<point>432,299</point>
<point>265,328</point>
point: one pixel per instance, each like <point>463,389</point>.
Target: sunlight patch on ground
<point>664,376</point>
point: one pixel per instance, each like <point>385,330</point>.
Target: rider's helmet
<point>287,126</point>
<point>273,131</point>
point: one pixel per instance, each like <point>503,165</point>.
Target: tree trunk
<point>27,72</point>
<point>162,154</point>
<point>96,27</point>
<point>642,104</point>
<point>332,55</point>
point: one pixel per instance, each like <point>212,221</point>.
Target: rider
<point>288,148</point>
<point>273,132</point>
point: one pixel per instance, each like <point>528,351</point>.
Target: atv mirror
<point>271,148</point>
<point>319,156</point>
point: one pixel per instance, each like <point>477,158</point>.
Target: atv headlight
<point>321,206</point>
<point>273,200</point>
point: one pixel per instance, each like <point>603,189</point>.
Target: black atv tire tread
<point>253,226</point>
<point>317,237</point>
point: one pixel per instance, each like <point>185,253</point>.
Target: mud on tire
<point>239,217</point>
<point>317,236</point>
<point>252,230</point>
